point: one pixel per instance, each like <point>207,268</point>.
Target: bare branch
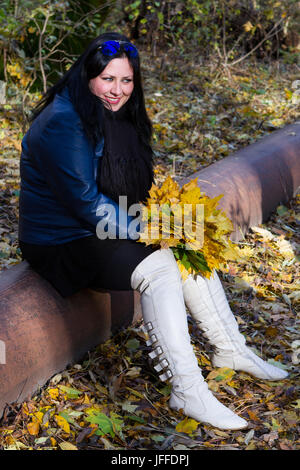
<point>269,35</point>
<point>40,48</point>
<point>78,23</point>
<point>5,64</point>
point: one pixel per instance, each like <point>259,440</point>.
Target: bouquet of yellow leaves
<point>188,222</point>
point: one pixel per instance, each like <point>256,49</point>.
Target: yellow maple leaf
<point>54,393</point>
<point>168,243</point>
<point>231,251</point>
<point>222,223</point>
<point>86,399</point>
<point>221,374</point>
<point>188,219</point>
<point>53,441</point>
<point>190,193</point>
<point>168,192</point>
<point>33,428</point>
<point>39,417</point>
<point>248,26</point>
<point>192,197</point>
<point>188,426</point>
<point>25,409</point>
<point>190,185</point>
<point>16,70</point>
<point>62,423</point>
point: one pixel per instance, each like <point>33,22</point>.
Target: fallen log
<point>41,333</point>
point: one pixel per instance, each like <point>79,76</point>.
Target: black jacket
<point>59,198</point>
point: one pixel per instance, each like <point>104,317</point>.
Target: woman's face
<point>115,83</point>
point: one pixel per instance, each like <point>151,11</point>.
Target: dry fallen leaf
<point>188,425</point>
<point>67,446</point>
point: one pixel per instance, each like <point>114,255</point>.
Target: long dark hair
<point>89,107</point>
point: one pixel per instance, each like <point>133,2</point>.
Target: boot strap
<point>163,363</point>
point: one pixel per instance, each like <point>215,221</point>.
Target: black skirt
<point>86,262</point>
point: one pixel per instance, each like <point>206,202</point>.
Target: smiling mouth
<point>112,100</point>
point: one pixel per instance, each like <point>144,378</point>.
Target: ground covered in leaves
<point>200,114</point>
<point>113,399</point>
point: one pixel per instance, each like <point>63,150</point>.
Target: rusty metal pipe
<point>255,179</point>
<point>41,333</point>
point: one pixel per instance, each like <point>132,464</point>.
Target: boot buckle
<point>166,375</point>
<point>149,326</point>
<point>161,365</point>
<point>157,352</point>
<point>153,339</point>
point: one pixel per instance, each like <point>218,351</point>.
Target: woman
<point>89,144</point>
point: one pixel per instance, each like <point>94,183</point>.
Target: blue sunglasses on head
<point>110,48</point>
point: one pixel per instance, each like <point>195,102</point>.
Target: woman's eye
<point>126,80</point>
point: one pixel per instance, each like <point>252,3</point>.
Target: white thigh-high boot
<point>207,303</point>
<point>158,280</point>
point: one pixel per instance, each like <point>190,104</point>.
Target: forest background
<point>218,76</point>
